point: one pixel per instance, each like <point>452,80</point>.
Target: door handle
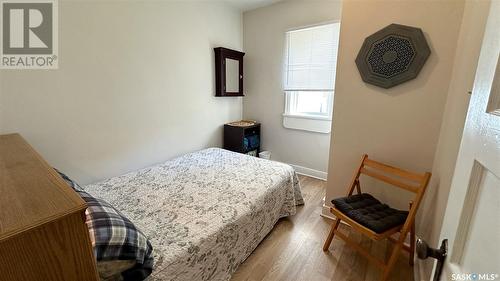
<point>424,251</point>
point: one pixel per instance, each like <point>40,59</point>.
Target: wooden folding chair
<point>413,182</point>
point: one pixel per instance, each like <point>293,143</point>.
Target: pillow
<point>69,181</point>
<point>115,237</point>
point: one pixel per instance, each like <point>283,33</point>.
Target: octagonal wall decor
<point>392,55</point>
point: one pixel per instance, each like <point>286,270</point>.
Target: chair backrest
<point>398,177</point>
<point>411,181</point>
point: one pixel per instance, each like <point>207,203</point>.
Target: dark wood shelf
<point>242,139</point>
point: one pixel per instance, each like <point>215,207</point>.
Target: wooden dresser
<point>43,235</point>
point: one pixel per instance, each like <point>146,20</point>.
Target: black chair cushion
<point>370,212</point>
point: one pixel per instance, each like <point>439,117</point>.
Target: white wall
<point>462,80</point>
<point>264,42</point>
<point>134,87</point>
<point>401,125</point>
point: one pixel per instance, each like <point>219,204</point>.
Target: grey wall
<point>134,86</point>
<point>264,40</point>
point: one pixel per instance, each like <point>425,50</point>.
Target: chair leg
<point>329,239</point>
<point>412,243</point>
<point>392,259</point>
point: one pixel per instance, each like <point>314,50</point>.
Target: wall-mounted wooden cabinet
<point>228,72</point>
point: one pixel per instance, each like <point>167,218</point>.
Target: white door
<point>472,218</point>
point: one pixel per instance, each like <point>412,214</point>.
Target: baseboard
<point>325,212</point>
<point>309,172</point>
<point>418,269</point>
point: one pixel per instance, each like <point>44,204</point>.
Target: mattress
<point>204,212</point>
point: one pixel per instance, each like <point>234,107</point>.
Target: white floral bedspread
<point>204,212</point>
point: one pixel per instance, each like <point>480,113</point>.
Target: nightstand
<point>243,137</point>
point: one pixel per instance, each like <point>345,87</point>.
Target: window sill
<point>312,117</point>
<point>315,124</point>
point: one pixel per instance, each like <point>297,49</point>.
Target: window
<point>309,76</point>
<point>313,104</point>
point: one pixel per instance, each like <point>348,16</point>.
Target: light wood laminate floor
<point>293,249</point>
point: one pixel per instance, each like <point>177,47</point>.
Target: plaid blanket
<point>114,237</point>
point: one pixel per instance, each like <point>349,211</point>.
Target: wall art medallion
<point>392,55</point>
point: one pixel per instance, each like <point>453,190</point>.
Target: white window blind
<point>311,58</point>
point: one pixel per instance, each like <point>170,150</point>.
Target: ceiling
<point>246,5</point>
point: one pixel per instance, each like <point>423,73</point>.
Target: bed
<point>204,212</point>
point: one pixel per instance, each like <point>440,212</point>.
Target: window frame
<point>307,122</point>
